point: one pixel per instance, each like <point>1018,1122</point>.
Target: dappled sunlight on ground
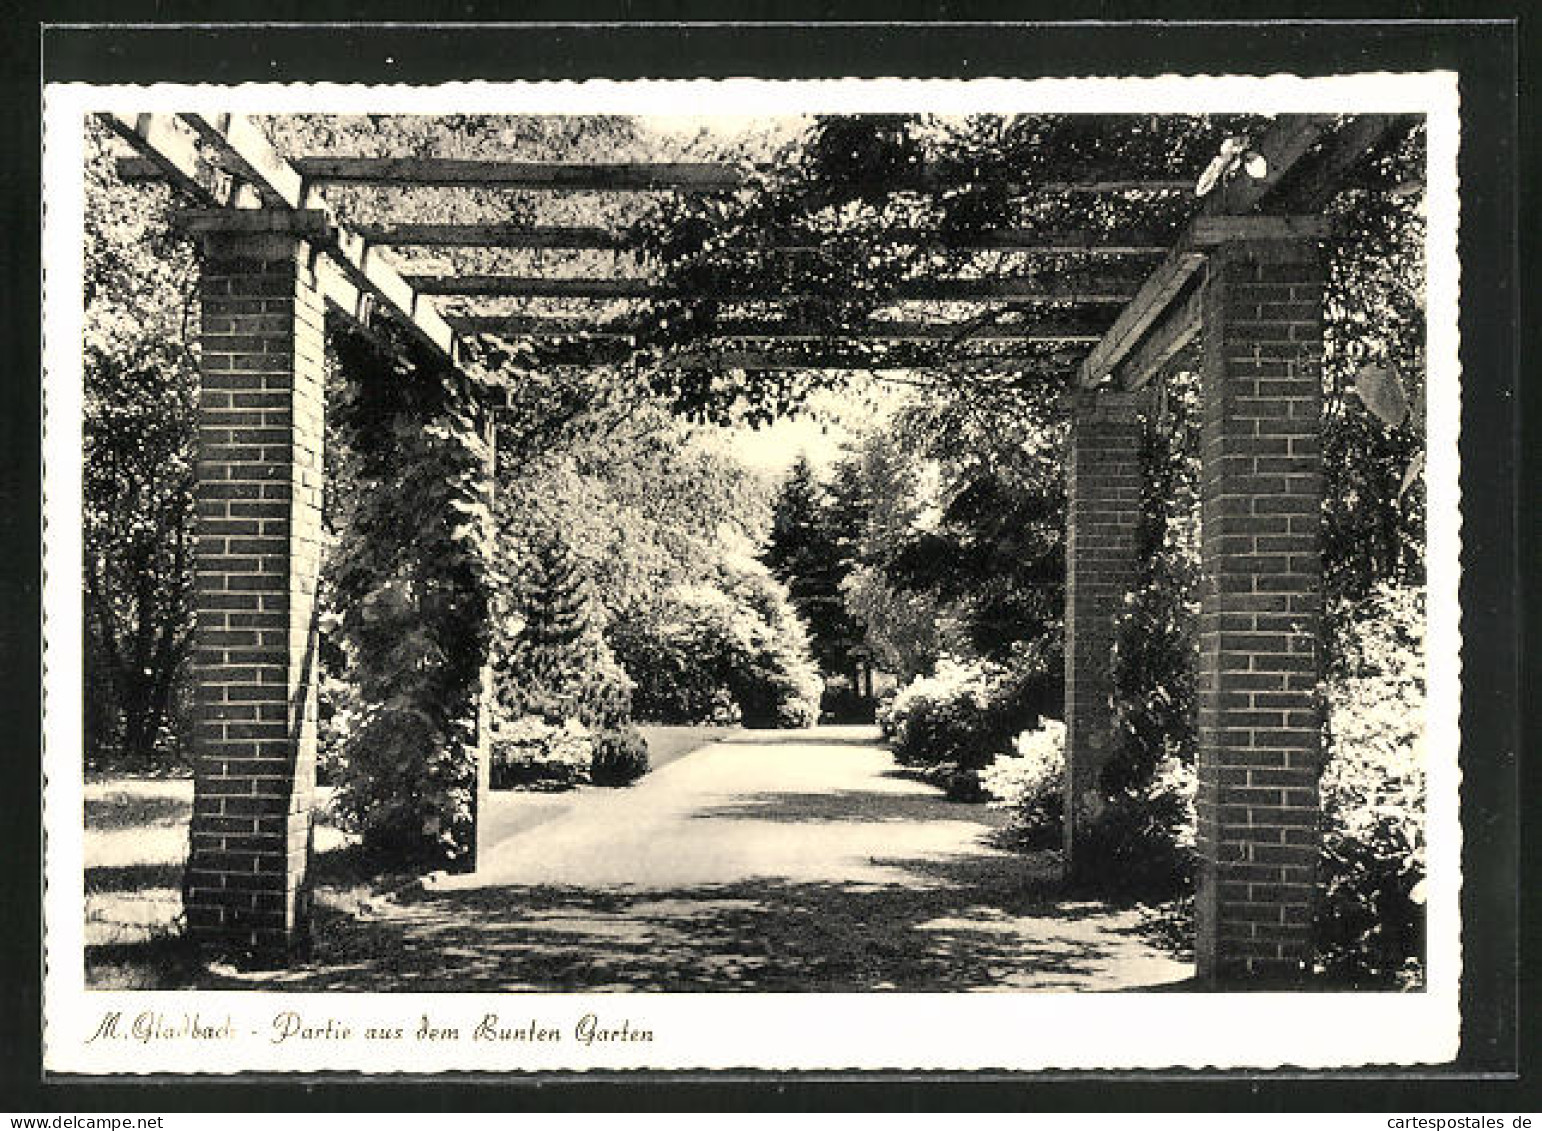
<point>778,862</point>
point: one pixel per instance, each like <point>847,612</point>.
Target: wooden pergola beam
<point>1179,326</point>
<point>1059,242</point>
<point>1039,330</point>
<point>640,176</point>
<point>169,152</point>
<point>276,184</point>
<point>1281,147</point>
<point>451,172</point>
<point>1016,288</point>
<point>1341,154</point>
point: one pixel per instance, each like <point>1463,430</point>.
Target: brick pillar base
<point>1103,512</point>
<point>1261,603</point>
<point>259,480</point>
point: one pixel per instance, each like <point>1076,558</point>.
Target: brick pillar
<point>486,698</point>
<point>259,480</point>
<point>1102,515</point>
<point>1261,609</point>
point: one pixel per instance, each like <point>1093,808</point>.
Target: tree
<point>810,549</point>
<point>137,475</point>
<point>554,662</point>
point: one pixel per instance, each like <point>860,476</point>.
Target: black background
<point>1480,42</point>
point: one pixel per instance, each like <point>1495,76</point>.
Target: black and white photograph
<point>594,575</point>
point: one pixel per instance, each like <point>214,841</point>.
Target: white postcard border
<point>1013,1031</point>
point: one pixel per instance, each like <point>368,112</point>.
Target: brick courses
<point>1261,605</point>
<point>259,482</point>
<point>1103,478</point>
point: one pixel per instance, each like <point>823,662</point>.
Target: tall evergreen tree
<point>557,664</point>
<point>812,549</point>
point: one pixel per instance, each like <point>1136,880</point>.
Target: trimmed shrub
<point>620,757</point>
<point>531,751</point>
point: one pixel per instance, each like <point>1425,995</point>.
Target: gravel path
<point>778,861</point>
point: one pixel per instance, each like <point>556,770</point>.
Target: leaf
<point>1380,389</point>
<point>1415,467</point>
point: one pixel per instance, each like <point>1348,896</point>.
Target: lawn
<point>136,842</point>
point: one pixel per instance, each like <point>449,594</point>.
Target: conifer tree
<point>555,663</point>
<point>811,549</point>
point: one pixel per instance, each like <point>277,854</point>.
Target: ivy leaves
<point>412,573</point>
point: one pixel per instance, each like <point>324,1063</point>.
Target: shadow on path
<point>776,861</point>
<point>960,924</point>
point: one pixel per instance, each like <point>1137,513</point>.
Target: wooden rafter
<point>168,143</point>
<point>1050,288</point>
<point>1058,242</point>
<point>1341,154</point>
<point>1036,330</point>
<point>1281,147</point>
<point>170,152</point>
<point>1178,326</point>
<point>451,172</point>
<point>641,176</point>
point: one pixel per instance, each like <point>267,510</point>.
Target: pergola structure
<point>1245,277</point>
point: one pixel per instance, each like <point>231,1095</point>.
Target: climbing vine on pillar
<point>412,574</point>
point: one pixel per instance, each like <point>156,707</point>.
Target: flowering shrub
<point>1370,917</point>
<point>963,715</point>
<point>1030,783</point>
<point>530,750</point>
<point>721,655</point>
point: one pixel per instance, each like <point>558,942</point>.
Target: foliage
<point>550,658</point>
<point>620,757</point>
<point>1370,917</point>
<point>1030,784</point>
<point>412,577</point>
<point>967,712</point>
<point>989,554</point>
<point>530,750</point>
<point>1142,842</point>
<point>1374,528</point>
<point>904,630</point>
<point>138,438</point>
<point>1156,633</point>
<point>730,652</point>
<point>810,550</point>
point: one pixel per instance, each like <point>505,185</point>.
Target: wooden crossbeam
<point>1341,154</point>
<point>1282,146</point>
<point>1178,326</point>
<point>640,176</point>
<point>1075,242</point>
<point>167,141</point>
<point>170,152</point>
<point>1150,301</point>
<point>596,353</point>
<point>1037,330</point>
<point>497,235</point>
<point>1019,288</point>
<point>452,172</point>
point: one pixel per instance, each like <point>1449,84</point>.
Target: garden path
<point>778,861</point>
